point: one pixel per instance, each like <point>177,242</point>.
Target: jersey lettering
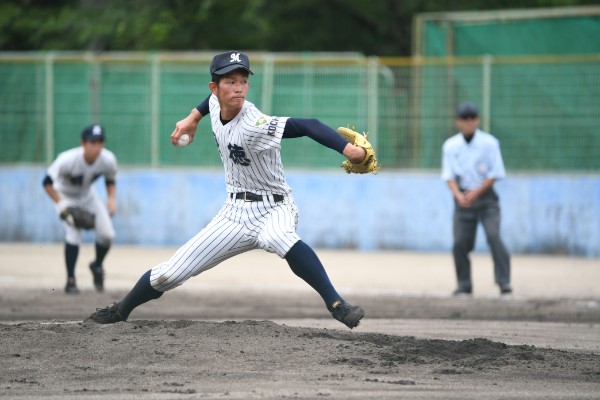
<point>238,155</point>
<point>76,180</point>
<point>273,126</point>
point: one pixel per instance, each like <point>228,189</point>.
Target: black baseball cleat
<point>106,315</point>
<point>505,289</point>
<point>71,287</point>
<point>98,272</point>
<point>347,314</point>
<point>463,292</point>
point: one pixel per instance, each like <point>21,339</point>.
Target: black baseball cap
<point>93,133</point>
<point>231,60</point>
<point>467,110</point>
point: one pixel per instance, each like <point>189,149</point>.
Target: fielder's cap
<point>231,60</point>
<point>93,133</point>
<point>467,110</point>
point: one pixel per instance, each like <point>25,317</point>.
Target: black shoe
<point>107,315</point>
<point>347,314</point>
<point>505,289</point>
<point>71,287</point>
<point>98,272</point>
<point>463,292</point>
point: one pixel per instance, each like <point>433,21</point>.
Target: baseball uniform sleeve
<point>203,107</point>
<point>55,169</point>
<point>317,131</point>
<point>496,170</point>
<point>447,173</point>
<point>111,167</point>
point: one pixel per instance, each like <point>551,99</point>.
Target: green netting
<point>577,35</point>
<point>72,105</point>
<point>21,112</point>
<point>395,147</point>
<point>182,87</point>
<point>125,105</point>
<point>544,113</point>
<point>322,92</point>
<point>548,115</point>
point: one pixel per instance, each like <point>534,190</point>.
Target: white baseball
<point>184,140</point>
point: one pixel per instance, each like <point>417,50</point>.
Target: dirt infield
<point>250,329</point>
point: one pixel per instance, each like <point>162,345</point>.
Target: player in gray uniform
<point>69,182</point>
<point>259,211</point>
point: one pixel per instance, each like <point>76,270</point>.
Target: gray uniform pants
<point>486,210</point>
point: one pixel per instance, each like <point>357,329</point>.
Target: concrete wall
<point>392,210</point>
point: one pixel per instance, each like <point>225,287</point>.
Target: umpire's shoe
<point>505,289</point>
<point>106,315</point>
<point>98,272</point>
<point>347,314</point>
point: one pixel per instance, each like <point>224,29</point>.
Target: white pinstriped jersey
<point>74,177</point>
<point>250,146</point>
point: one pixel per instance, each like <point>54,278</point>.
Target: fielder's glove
<point>78,217</point>
<point>369,164</point>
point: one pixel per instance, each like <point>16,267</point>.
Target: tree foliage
<point>372,27</point>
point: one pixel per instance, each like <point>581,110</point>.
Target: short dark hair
<point>217,78</point>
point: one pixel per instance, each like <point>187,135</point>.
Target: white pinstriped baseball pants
<point>239,226</point>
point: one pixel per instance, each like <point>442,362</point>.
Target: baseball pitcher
<point>259,211</point>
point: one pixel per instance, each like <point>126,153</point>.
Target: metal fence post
<point>267,87</point>
<point>372,99</point>
<point>487,92</point>
<point>155,111</point>
<point>49,109</point>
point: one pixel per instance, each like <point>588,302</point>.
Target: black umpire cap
<point>467,110</point>
<point>93,133</point>
<point>231,60</point>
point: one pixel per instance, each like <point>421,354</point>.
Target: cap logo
<point>97,130</point>
<point>235,57</point>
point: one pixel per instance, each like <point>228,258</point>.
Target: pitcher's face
<point>231,90</point>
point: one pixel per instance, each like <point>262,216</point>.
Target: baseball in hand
<point>184,140</point>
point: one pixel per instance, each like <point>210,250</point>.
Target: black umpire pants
<point>486,210</point>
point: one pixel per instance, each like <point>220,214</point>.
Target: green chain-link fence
<point>544,110</point>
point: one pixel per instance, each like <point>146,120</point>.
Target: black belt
<point>247,196</point>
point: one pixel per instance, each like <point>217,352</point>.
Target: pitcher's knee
<point>162,277</point>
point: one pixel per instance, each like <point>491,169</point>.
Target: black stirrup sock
<point>71,253</point>
<point>141,293</point>
<point>304,262</point>
<point>101,251</point>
